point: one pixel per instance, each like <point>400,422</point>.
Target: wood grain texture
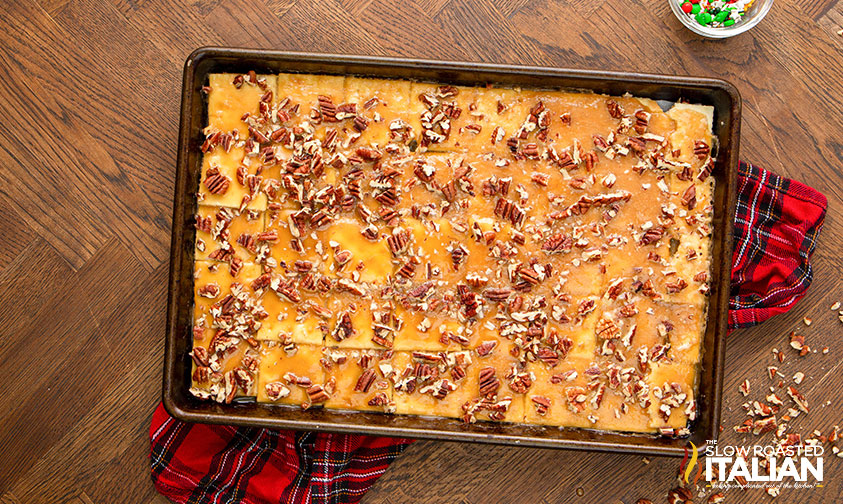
<point>89,96</point>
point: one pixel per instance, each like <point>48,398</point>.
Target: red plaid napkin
<point>776,226</point>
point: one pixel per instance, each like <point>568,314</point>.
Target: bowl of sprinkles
<point>720,18</point>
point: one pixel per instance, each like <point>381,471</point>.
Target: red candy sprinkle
<point>687,7</point>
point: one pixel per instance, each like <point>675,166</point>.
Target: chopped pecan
<point>548,355</point>
<point>689,197</point>
<point>276,391</point>
<point>200,356</point>
<point>628,310</point>
<point>701,149</point>
<point>607,329</point>
<point>421,291</point>
<point>637,145</point>
<point>449,191</point>
<point>424,171</point>
<point>590,159</point>
<point>706,169</point>
<point>203,224</point>
<point>600,143</point>
<point>615,288</point>
<point>380,399</point>
<point>576,397</point>
<point>510,211</point>
<point>216,182</point>
<point>528,274</point>
<point>541,403</point>
<point>398,241</point>
<point>586,306</point>
<point>540,179</point>
<point>408,269</point>
<point>210,290</point>
<point>488,381</point>
<point>361,122</point>
<point>369,153</point>
<point>652,235</point>
<point>615,110</point>
<point>676,286</point>
<point>261,282</point>
<point>267,236</point>
<point>558,243</point>
<point>327,108</point>
<point>642,120</point>
<point>235,264</point>
<point>317,394</point>
<point>486,347</point>
<point>364,383</point>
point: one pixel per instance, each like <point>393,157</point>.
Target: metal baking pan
<point>177,368</point>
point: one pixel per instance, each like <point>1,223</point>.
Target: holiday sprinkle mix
<point>716,14</point>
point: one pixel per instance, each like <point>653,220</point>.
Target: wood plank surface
<point>89,96</point>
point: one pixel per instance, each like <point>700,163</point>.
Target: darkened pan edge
<point>178,402</point>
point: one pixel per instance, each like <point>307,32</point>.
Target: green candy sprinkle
<point>721,16</point>
<point>729,22</point>
<point>703,18</point>
<point>695,9</point>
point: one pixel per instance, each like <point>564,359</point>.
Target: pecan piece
<point>689,197</point>
<point>317,394</point>
<point>216,182</point>
<point>486,347</point>
<point>576,397</point>
<point>586,306</point>
<point>642,120</point>
<point>701,149</point>
<point>677,286</point>
<point>421,291</point>
<point>615,109</point>
<point>361,122</point>
<point>276,391</point>
<point>615,289</point>
<point>364,383</point>
<point>398,241</point>
<point>652,235</point>
<point>209,291</point>
<point>558,243</point>
<point>798,398</point>
<point>548,356</point>
<point>600,143</point>
<point>380,399</point>
<point>706,169</point>
<point>590,159</point>
<point>200,356</point>
<point>327,108</point>
<point>541,403</point>
<point>424,171</point>
<point>369,153</point>
<point>489,383</point>
<point>261,282</point>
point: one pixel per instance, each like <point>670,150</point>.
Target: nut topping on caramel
<point>426,249</point>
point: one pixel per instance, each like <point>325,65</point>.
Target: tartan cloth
<point>776,227</point>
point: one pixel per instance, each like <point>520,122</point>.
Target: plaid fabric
<point>198,463</point>
<point>777,224</point>
<point>776,228</point>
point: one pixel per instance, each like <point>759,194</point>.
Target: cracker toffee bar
<point>518,255</point>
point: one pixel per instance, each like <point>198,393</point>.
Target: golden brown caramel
<point>485,253</point>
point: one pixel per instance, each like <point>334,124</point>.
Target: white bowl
<point>756,13</point>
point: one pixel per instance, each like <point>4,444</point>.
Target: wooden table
<point>89,112</point>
